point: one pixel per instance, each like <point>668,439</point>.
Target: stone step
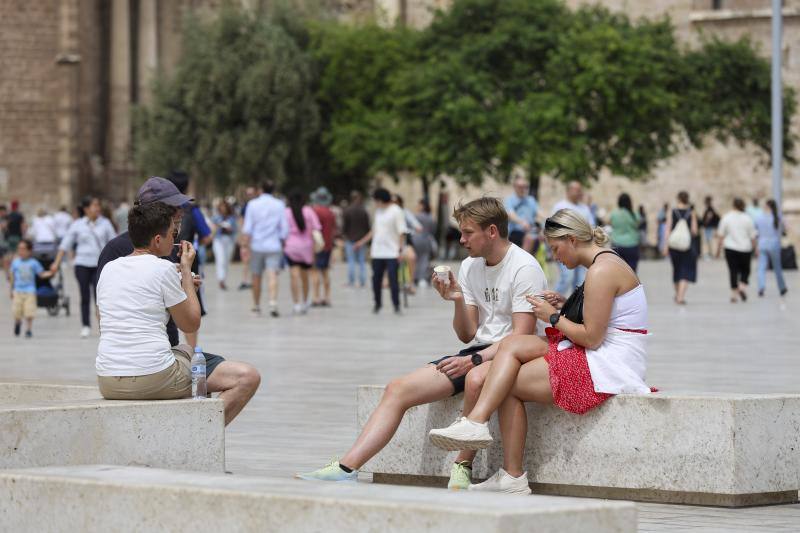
<point>178,434</point>
<point>22,392</point>
<point>113,498</point>
<point>708,449</point>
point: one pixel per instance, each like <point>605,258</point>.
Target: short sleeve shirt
<point>25,272</point>
<point>499,291</point>
<point>133,297</point>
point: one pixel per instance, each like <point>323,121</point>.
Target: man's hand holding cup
<point>445,283</point>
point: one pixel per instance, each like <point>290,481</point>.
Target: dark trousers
<point>86,281</point>
<point>629,254</point>
<point>738,266</point>
<point>379,267</point>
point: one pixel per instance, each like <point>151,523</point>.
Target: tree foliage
<point>489,86</point>
<point>239,106</point>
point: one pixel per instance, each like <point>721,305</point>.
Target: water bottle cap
<point>197,349</point>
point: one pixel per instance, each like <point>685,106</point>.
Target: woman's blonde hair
<point>569,223</point>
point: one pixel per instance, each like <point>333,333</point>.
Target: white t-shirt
<point>133,294</point>
<point>582,209</point>
<point>43,229</point>
<point>499,291</point>
<point>738,231</point>
<point>389,226</point>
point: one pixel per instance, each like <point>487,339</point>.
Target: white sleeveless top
<point>618,365</point>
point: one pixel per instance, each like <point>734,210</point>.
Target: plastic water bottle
<point>198,374</point>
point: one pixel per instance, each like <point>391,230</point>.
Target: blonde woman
<point>595,348</point>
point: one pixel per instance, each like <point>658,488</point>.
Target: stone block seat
<point>727,450</point>
<point>53,425</point>
<point>114,498</point>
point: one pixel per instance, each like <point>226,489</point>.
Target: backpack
<point>680,239</point>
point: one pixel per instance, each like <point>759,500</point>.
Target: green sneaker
<point>331,472</point>
<point>460,476</point>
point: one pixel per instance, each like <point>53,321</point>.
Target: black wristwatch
<point>554,319</point>
<point>477,359</point>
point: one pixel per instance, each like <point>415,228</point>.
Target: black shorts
<point>212,361</point>
<point>292,263</point>
<point>322,260</point>
<point>458,383</point>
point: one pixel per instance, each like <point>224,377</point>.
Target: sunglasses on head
<point>552,224</point>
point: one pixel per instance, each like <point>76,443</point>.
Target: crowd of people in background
<point>270,231</point>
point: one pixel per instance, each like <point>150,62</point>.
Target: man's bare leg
<point>424,385</point>
<point>256,289</point>
<point>472,390</point>
<point>236,382</point>
<point>272,286</point>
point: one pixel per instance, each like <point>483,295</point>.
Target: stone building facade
<point>71,70</point>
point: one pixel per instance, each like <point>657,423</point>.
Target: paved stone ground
<point>304,413</point>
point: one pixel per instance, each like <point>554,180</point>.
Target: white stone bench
<point>113,498</point>
<point>73,425</point>
<point>707,449</point>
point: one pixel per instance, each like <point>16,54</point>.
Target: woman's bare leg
<point>532,385</point>
<point>513,352</point>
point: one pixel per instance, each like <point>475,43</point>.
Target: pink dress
<point>299,246</point>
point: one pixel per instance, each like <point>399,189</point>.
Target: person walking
<point>710,222</point>
<point>522,208</point>
<point>89,234</point>
<point>680,244</point>
<point>387,234</point>
<point>320,274</point>
<point>224,240</point>
<point>737,233</point>
<point>569,279</point>
<point>15,229</point>
<point>299,248</point>
<point>625,236</point>
<point>265,229</point>
<point>43,234</point>
<point>661,228</point>
<point>770,229</point>
<point>355,225</point>
<point>244,246</point>
<point>424,243</point>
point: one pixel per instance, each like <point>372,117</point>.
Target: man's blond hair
<point>484,212</point>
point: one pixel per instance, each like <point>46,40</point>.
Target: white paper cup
<point>443,273</point>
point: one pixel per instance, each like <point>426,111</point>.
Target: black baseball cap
<point>162,190</point>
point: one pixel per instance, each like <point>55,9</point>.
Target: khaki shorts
<point>172,383</point>
<point>24,305</point>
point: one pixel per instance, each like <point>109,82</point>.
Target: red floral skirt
<point>570,379</point>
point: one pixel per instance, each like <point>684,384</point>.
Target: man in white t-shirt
<point>387,235</point>
<point>569,279</point>
<point>136,296</point>
<point>489,304</point>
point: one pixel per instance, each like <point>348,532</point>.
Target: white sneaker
<point>504,482</point>
<point>298,309</point>
<point>463,434</point>
<point>85,331</point>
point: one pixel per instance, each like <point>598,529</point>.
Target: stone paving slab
<point>108,498</point>
<point>305,411</point>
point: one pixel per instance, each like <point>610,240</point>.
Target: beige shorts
<point>172,383</point>
<point>24,305</point>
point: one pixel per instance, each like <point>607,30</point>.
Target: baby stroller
<point>50,292</point>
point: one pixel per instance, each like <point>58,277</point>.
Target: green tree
<point>361,134</point>
<point>239,105</point>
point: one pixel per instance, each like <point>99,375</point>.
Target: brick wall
<point>29,81</point>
